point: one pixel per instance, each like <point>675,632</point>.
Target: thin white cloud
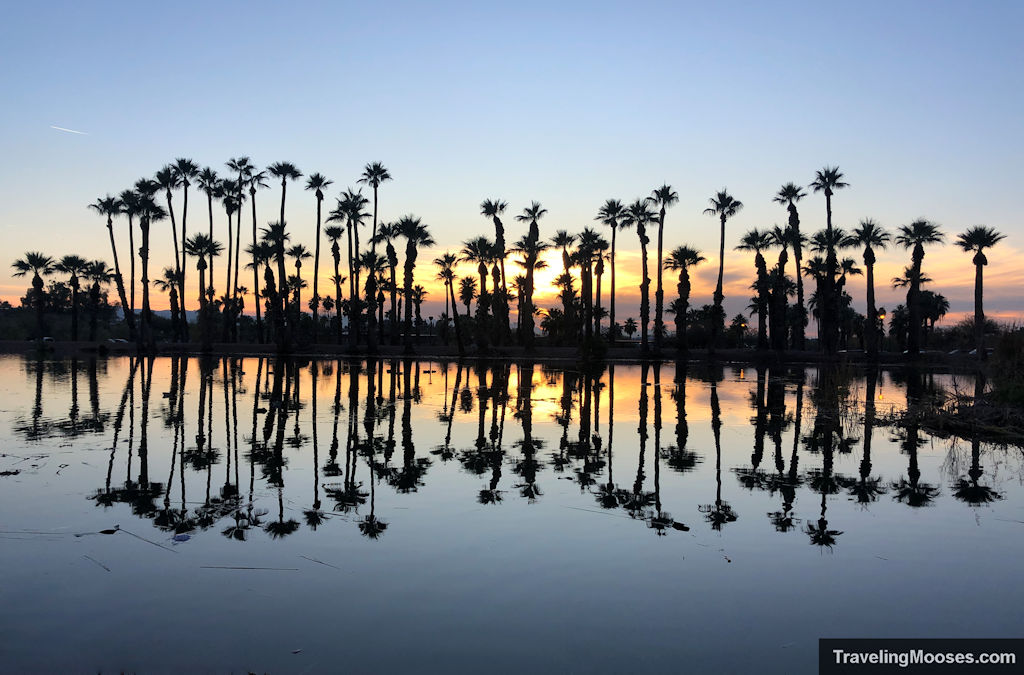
<point>70,131</point>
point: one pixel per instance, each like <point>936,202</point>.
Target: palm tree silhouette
<point>373,175</point>
<point>169,283</point>
<point>480,250</point>
<point>871,236</point>
<point>639,215</point>
<point>828,180</point>
<point>317,182</point>
<point>789,194</point>
<point>976,239</point>
<point>129,205</point>
<point>99,274</point>
<point>168,181</point>
<point>257,180</point>
<point>662,197</point>
<point>202,248</point>
<point>611,214</point>
<point>40,265</point>
<point>149,212</point>
<point>781,238</point>
<point>493,208</point>
<point>284,171</point>
<point>185,170</point>
<point>720,513</point>
<point>915,236</point>
<point>446,273</point>
<point>724,206</point>
<point>531,247</point>
<point>386,234</point>
<point>111,206</point>
<point>416,235</point>
<point>758,240</point>
<point>298,253</point>
<point>333,233</point>
<point>72,265</point>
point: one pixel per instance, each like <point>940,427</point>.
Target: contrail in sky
<point>70,131</point>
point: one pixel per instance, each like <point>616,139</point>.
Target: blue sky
<point>566,103</point>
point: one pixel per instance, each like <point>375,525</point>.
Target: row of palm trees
<point>279,312</point>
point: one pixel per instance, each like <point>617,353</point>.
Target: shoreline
<point>556,355</point>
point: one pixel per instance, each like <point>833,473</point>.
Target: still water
<point>245,514</point>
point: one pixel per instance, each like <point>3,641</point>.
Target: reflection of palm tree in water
<point>678,457</point>
<point>826,434</point>
<point>106,497</point>
<point>410,477</point>
<point>314,516</point>
<point>969,490</point>
<point>778,420</point>
<point>867,489</point>
<point>527,467</point>
<point>660,521</point>
<point>910,489</point>
<point>608,494</point>
<point>639,501</point>
<point>719,513</point>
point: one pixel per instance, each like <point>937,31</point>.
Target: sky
<point>569,104</point>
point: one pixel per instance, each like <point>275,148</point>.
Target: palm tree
<point>333,233</point>
<point>782,238</point>
<point>202,248</point>
<point>257,180</point>
<point>212,185</point>
<point>977,239</point>
<point>244,168</point>
<point>72,265</point>
<point>285,171</point>
<point>298,253</point>
<point>680,260</point>
<point>186,171</point>
<point>149,212</point>
<point>416,235</point>
<point>789,194</point>
<point>317,182</point>
<point>446,273</point>
<point>168,180</point>
<point>639,215</point>
<point>531,247</point>
<point>480,250</point>
<point>630,327</point>
<point>373,175</point>
<point>170,283</point>
<point>724,206</point>
<point>419,294</point>
<point>662,197</point>
<point>828,180</point>
<point>611,214</point>
<point>387,233</point>
<point>493,208</point>
<point>467,291</point>
<point>130,207</point>
<point>915,236</point>
<point>375,266</point>
<point>588,250</point>
<point>757,240</point>
<point>871,236</point>
<point>350,209</point>
<point>111,206</point>
<point>98,273</point>
<point>40,266</point>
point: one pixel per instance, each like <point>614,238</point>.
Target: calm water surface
<point>326,516</point>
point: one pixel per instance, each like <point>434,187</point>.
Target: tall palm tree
<point>284,171</point>
<point>149,212</point>
<point>317,182</point>
<point>387,233</point>
<point>99,274</point>
<point>662,197</point>
<point>375,265</point>
<point>351,210</point>
<point>168,180</point>
<point>298,253</point>
<point>244,168</point>
<point>186,171</point>
<point>758,240</point>
<point>915,236</point>
<point>40,266</point>
<point>680,260</point>
<point>202,248</point>
<point>416,235</point>
<point>480,250</point>
<point>828,180</point>
<point>493,208</point>
<point>373,175</point>
<point>531,247</point>
<point>789,194</point>
<point>782,238</point>
<point>724,206</point>
<point>129,200</point>
<point>333,233</point>
<point>446,273</point>
<point>871,236</point>
<point>257,180</point>
<point>586,253</point>
<point>276,236</point>
<point>639,215</point>
<point>169,283</point>
<point>210,183</point>
<point>72,265</point>
<point>111,206</point>
<point>611,214</point>
<point>977,239</point>
<point>600,249</point>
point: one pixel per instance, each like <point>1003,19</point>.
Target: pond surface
<point>245,514</point>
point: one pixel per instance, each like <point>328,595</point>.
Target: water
<point>632,519</point>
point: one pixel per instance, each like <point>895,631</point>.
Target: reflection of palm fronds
<point>783,521</point>
<point>279,529</point>
<point>200,459</point>
<point>820,534</point>
<point>372,527</point>
<point>914,493</point>
<point>753,479</point>
<point>662,521</point>
<point>864,490</point>
<point>348,497</point>
<point>488,496</point>
<point>682,461</point>
<point>974,494</point>
<point>718,514</point>
<point>608,496</point>
<point>530,491</point>
<point>825,483</point>
<point>314,517</point>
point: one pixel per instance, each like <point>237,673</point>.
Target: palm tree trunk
<point>256,271</point>
<point>184,261</point>
<point>645,287</point>
<point>718,320</point>
<point>612,328</point>
<point>410,262</point>
<point>871,332</point>
<point>353,309</point>
<point>126,309</point>
<point>316,276</point>
<point>148,339</point>
<point>234,286</point>
<point>979,311</point>
<point>659,293</point>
